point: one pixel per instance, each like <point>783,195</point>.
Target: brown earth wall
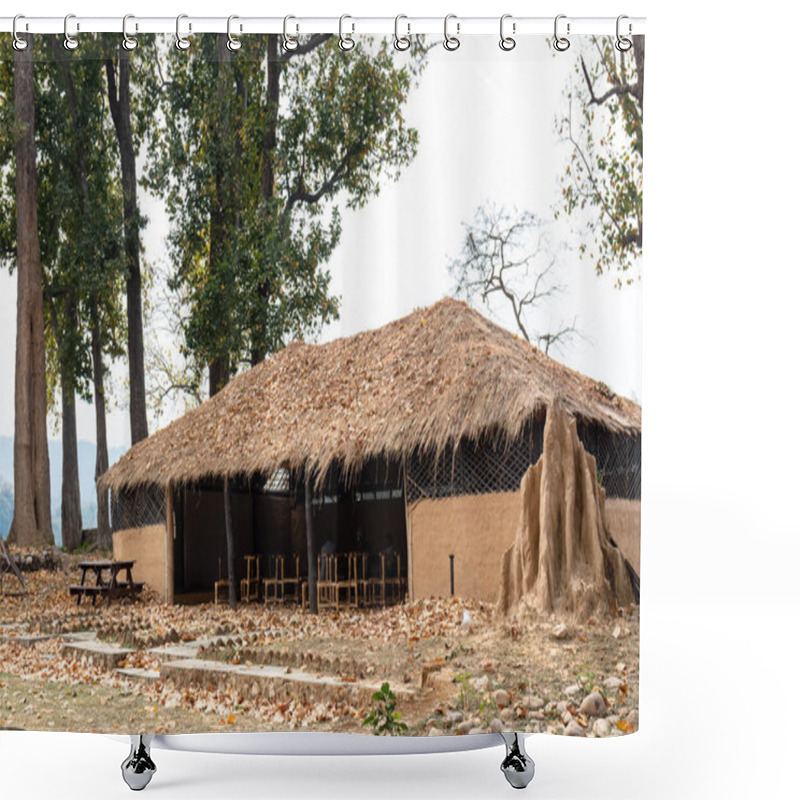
<point>146,547</point>
<point>624,519</point>
<point>476,529</point>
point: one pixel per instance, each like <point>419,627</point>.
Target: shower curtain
<point>321,390</point>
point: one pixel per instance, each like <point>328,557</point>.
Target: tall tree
<point>603,125</point>
<point>32,523</point>
<point>507,263</point>
<point>251,170</point>
<point>119,98</point>
<point>95,254</point>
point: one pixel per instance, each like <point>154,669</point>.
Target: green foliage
<point>80,221</point>
<point>603,125</point>
<point>384,718</point>
<point>252,171</point>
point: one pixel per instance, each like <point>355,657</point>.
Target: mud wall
<point>624,519</point>
<point>477,529</point>
<point>145,546</point>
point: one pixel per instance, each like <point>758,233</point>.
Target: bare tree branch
<point>508,255</point>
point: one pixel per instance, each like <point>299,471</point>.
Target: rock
<point>454,717</point>
<point>435,732</point>
<point>501,698</point>
<point>616,632</point>
<point>476,730</point>
<point>534,703</point>
<point>507,714</point>
<point>464,727</point>
<point>613,719</point>
<point>567,718</point>
<point>621,666</point>
<point>560,631</point>
<point>601,728</point>
<point>633,718</point>
<point>572,691</point>
<point>496,726</point>
<point>593,705</point>
<point>481,684</point>
<point>613,682</point>
<point>561,706</point>
<point>573,729</point>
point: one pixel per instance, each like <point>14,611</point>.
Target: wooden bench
<point>106,588</point>
<point>108,592</point>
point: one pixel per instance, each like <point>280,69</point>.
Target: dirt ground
<point>451,675</point>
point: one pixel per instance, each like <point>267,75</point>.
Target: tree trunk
<point>120,104</point>
<point>310,545</point>
<point>71,520</point>
<point>101,463</point>
<point>31,525</point>
<point>229,541</point>
<point>221,205</point>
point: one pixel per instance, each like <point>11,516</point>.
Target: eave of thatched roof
<point>421,382</point>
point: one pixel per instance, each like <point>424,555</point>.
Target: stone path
<point>184,667</point>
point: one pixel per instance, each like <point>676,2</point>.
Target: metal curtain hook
<point>346,41</point>
<point>451,43</point>
<point>289,42</point>
<point>561,43</point>
<point>70,42</point>
<point>128,42</point>
<point>507,42</point>
<point>623,43</point>
<point>181,42</point>
<point>16,40</point>
<point>401,43</point>
<point>233,44</point>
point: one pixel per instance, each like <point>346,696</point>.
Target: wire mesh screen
<point>474,467</point>
<point>485,467</point>
<point>619,460</point>
<point>138,508</point>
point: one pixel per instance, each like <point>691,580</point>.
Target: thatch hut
<point>414,436</point>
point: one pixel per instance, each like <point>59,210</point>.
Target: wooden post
<point>229,540</point>
<point>312,551</point>
<point>409,568</point>
<point>169,548</point>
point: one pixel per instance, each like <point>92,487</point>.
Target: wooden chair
<point>221,583</point>
<point>349,582</point>
<point>393,580</point>
<point>327,580</point>
<point>250,585</point>
<point>274,578</point>
<point>292,581</point>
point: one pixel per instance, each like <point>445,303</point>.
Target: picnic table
<point>107,587</point>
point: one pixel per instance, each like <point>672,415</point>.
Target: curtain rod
<point>460,26</point>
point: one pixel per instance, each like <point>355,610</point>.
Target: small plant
<point>384,718</point>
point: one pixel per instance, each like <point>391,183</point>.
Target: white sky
<point>485,121</point>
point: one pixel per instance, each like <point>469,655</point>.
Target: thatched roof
<point>420,382</point>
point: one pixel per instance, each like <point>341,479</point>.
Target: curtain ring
<point>451,43</point>
<point>346,42</point>
<point>507,42</point>
<point>233,43</point>
<point>181,42</point>
<point>401,43</point>
<point>128,42</point>
<point>561,43</point>
<point>289,42</point>
<point>16,40</point>
<point>70,42</point>
<point>623,43</point>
